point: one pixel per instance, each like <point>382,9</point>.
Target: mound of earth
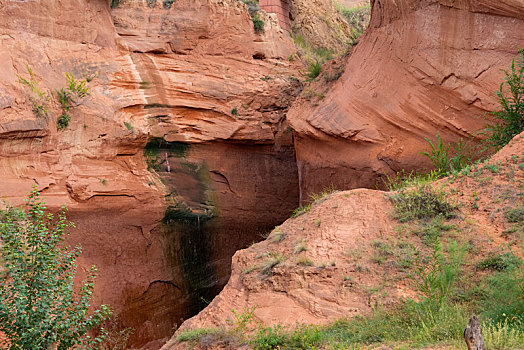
<point>347,253</point>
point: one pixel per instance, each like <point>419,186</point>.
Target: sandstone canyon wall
<point>179,156</point>
<point>421,67</point>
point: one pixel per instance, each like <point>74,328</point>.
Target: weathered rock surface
<point>422,67</point>
<point>155,165</point>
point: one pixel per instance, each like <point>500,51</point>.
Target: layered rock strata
<point>422,67</point>
<point>179,156</point>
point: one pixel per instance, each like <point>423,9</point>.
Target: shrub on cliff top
<point>38,306</point>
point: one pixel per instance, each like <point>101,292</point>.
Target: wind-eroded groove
<point>223,178</point>
<point>111,195</point>
<point>170,283</point>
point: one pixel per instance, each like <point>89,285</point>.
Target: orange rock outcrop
<point>422,67</point>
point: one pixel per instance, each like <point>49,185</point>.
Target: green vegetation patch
<point>500,262</point>
<point>357,17</point>
<point>157,147</point>
<point>421,202</point>
<point>40,308</point>
<point>515,215</point>
<point>181,214</point>
<point>508,120</point>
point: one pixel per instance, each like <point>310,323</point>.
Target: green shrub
<point>515,215</point>
<point>503,335</point>
<point>435,276</point>
<point>64,98</point>
<point>500,262</point>
<point>440,156</point>
<point>63,121</point>
<point>38,97</point>
<point>253,9</point>
<point>129,126</point>
<point>421,202</point>
<point>509,119</point>
<point>38,305</point>
<point>502,296</point>
<point>258,24</point>
<point>269,338</point>
<point>77,87</point>
<point>314,70</point>
<point>168,3</point>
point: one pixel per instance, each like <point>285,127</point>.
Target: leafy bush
<point>421,202</point>
<point>253,8</point>
<point>269,338</point>
<point>509,119</point>
<point>38,305</point>
<point>77,87</point>
<point>64,98</point>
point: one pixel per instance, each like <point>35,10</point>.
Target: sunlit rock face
<point>421,68</point>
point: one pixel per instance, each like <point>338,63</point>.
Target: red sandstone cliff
<point>421,67</point>
<point>212,95</point>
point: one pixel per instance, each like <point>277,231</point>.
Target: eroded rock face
<point>422,67</point>
<point>154,165</point>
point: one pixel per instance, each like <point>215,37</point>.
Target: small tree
<point>509,119</point>
<point>39,308</point>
